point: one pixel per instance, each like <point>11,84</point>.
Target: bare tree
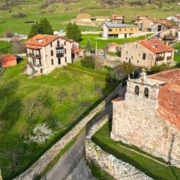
<point>61,95</point>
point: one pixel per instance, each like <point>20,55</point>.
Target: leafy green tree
<point>156,68</point>
<point>121,71</point>
<point>88,46</point>
<point>43,27</point>
<point>73,32</point>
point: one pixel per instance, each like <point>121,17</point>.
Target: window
<point>59,61</point>
<point>51,44</point>
<point>126,58</point>
<point>65,50</point>
<point>52,62</point>
<point>125,29</point>
<point>144,56</point>
<point>64,42</point>
<point>135,45</point>
<point>146,92</point>
<point>110,30</point>
<point>51,52</point>
<point>126,52</point>
<point>137,61</point>
<point>137,90</point>
<point>58,43</point>
<point>65,59</point>
<point>131,57</point>
<point>119,29</point>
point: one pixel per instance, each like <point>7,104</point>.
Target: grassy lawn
<point>5,47</point>
<point>148,166</point>
<point>18,94</point>
<point>60,13</point>
<point>101,43</point>
<point>117,54</point>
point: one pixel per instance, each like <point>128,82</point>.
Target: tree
<point>121,71</point>
<point>156,68</point>
<point>40,134</point>
<point>88,46</point>
<point>73,32</point>
<point>43,27</point>
<point>88,62</point>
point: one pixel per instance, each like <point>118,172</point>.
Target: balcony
<point>32,55</point>
<point>159,58</point>
<point>169,57</point>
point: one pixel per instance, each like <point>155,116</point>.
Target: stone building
<point>147,53</point>
<point>47,52</point>
<point>117,18</point>
<point>114,30</point>
<point>138,20</point>
<point>148,117</point>
<point>8,60</point>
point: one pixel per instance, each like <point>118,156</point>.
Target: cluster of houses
<point>46,52</point>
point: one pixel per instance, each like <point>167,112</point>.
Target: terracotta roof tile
<point>168,76</point>
<point>7,57</point>
<point>41,40</point>
<point>169,101</point>
<point>156,46</point>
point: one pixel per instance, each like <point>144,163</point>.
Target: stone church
<point>149,115</point>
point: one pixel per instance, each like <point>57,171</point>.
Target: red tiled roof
<point>41,40</point>
<point>114,44</point>
<point>169,101</point>
<point>156,46</point>
<point>75,50</point>
<point>117,16</point>
<point>140,17</point>
<point>168,76</point>
<point>7,57</point>
<point>151,19</point>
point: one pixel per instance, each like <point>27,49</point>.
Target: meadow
<point>59,100</point>
<point>59,14</point>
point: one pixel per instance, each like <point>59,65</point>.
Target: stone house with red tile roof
<point>8,60</point>
<point>47,52</point>
<point>175,18</point>
<point>147,53</point>
<point>117,18</point>
<point>138,19</point>
<point>153,25</point>
<point>148,115</point>
<point>113,47</point>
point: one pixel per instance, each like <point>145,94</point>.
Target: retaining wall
<point>107,162</point>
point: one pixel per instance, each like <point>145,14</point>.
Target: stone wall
<point>115,167</point>
<point>48,156</point>
<point>107,162</point>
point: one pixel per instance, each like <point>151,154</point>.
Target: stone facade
<point>47,52</point>
<point>137,122</point>
<point>141,56</point>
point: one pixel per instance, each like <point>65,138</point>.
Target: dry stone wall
<point>115,167</point>
<point>107,162</point>
<point>47,157</point>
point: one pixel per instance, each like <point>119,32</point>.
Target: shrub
<point>88,62</point>
<point>156,68</point>
<point>19,15</point>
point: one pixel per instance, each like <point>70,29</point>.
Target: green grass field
<point>148,166</point>
<point>59,13</point>
<point>18,93</point>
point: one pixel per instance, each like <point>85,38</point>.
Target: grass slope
<point>18,93</point>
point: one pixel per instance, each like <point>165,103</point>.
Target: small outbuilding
<point>8,60</point>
